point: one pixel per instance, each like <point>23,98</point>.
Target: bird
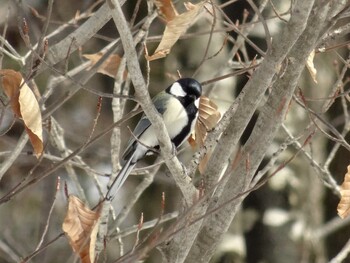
<point>178,106</point>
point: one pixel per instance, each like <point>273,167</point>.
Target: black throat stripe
<point>191,110</point>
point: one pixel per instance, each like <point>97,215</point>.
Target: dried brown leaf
<point>11,81</point>
<point>344,204</point>
<point>175,29</point>
<point>79,225</point>
<point>166,9</point>
<point>25,106</point>
<point>109,67</point>
<point>311,67</point>
<point>208,117</point>
<point>31,116</point>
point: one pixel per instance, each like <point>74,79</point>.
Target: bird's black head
<point>186,87</point>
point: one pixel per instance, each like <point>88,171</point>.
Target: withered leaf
<point>11,81</point>
<point>79,225</point>
<point>344,203</point>
<point>166,9</point>
<point>109,67</point>
<point>208,117</point>
<point>175,29</point>
<point>25,106</point>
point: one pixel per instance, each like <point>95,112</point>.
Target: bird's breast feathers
<point>175,117</point>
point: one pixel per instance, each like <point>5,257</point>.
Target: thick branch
<point>264,131</point>
<point>79,37</point>
<point>233,123</point>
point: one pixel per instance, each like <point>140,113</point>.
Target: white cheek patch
<point>196,102</point>
<point>177,90</point>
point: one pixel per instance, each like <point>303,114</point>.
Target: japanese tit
<point>178,105</point>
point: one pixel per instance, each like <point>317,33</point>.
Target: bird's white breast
<point>175,117</point>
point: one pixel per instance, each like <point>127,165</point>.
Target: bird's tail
<point>120,179</point>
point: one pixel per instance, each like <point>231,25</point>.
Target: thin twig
<point>58,182</point>
<point>344,252</point>
<point>5,165</point>
<point>205,55</point>
<point>58,141</point>
<point>315,116</point>
<point>324,174</point>
<point>276,12</point>
<point>263,22</point>
<point>8,251</point>
<point>46,24</point>
<point>234,28</point>
<point>38,251</point>
<point>139,227</point>
<point>4,31</point>
<point>146,225</point>
<point>139,190</point>
<point>50,170</point>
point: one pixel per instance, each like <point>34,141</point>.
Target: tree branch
<point>59,51</point>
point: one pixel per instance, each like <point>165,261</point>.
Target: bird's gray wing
<point>159,102</point>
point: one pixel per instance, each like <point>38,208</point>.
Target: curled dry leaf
<point>208,117</point>
<point>166,9</point>
<point>11,82</point>
<point>80,228</point>
<point>344,204</point>
<point>175,29</point>
<point>109,67</point>
<point>311,67</point>
<point>24,105</point>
